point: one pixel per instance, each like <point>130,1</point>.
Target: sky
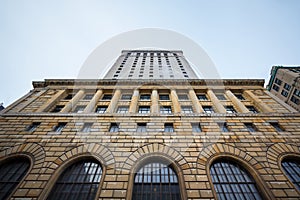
<point>42,39</point>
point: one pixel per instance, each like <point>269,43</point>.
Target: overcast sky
<point>52,39</point>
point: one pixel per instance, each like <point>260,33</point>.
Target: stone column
<point>50,103</point>
<point>68,107</point>
<point>257,102</point>
<point>236,102</point>
<point>174,99</point>
<point>195,101</point>
<point>220,108</point>
<point>134,101</point>
<point>114,101</point>
<point>91,106</point>
<point>154,101</point>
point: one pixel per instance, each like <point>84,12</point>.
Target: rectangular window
<point>107,97</point>
<point>221,97</point>
<point>202,97</point>
<point>122,109</point>
<point>57,108</point>
<point>275,87</point>
<point>240,97</point>
<point>284,93</point>
<point>183,97</point>
<point>88,96</point>
<point>141,127</point>
<point>69,97</point>
<point>86,127</point>
<point>114,127</point>
<point>164,97</point>
<point>169,128</point>
<point>278,81</point>
<point>186,109</point>
<point>59,127</point>
<point>32,127</point>
<point>144,109</point>
<point>165,110</point>
<point>276,126</point>
<point>196,127</point>
<point>287,87</point>
<point>295,100</point>
<point>223,126</point>
<point>145,97</point>
<point>297,92</point>
<point>252,109</point>
<point>126,97</point>
<point>79,109</point>
<point>230,109</point>
<point>250,127</point>
<point>101,109</point>
<point>208,109</point>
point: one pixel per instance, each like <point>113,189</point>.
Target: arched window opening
<point>291,168</point>
<point>156,181</point>
<point>232,182</point>
<point>78,181</point>
<point>12,171</point>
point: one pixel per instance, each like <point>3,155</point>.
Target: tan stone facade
<point>122,153</point>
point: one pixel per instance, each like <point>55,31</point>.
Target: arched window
<point>292,170</point>
<point>232,182</point>
<point>156,181</point>
<point>12,172</point>
<point>78,181</point>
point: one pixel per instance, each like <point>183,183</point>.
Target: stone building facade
<point>149,139</point>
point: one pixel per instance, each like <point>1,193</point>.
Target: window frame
<point>169,128</point>
<point>122,109</point>
<point>144,109</point>
<point>101,106</point>
<point>32,127</point>
<point>165,110</point>
<point>59,127</point>
<point>208,109</point>
<point>114,128</point>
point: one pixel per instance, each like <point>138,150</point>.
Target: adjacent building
<point>284,83</point>
<point>141,137</point>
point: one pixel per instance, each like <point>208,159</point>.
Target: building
<point>284,83</point>
<point>143,138</point>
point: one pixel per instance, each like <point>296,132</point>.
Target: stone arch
<point>277,151</point>
<point>33,150</point>
<point>155,148</point>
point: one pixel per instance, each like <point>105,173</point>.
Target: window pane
<point>82,184</point>
<point>292,170</point>
<point>101,109</point>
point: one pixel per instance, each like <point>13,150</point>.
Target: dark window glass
<point>276,126</point>
<point>208,109</point>
<point>126,97</point>
<point>250,127</point>
<point>295,100</point>
<point>78,181</point>
<point>141,127</point>
<point>240,97</point>
<point>156,181</point>
<point>183,97</point>
<point>275,87</point>
<point>86,127</point>
<point>107,97</point>
<point>114,127</point>
<point>144,109</point>
<point>223,126</point>
<point>287,86</point>
<point>278,81</point>
<point>252,109</point>
<point>88,96</point>
<point>101,109</point>
<point>59,127</point>
<point>297,92</point>
<point>32,126</point>
<point>230,109</point>
<point>164,97</point>
<point>196,127</point>
<point>221,96</point>
<point>169,128</point>
<point>232,181</point>
<point>12,171</point>
<point>79,109</point>
<point>186,109</point>
<point>122,109</point>
<point>291,168</point>
<point>202,97</point>
<point>69,97</point>
<point>145,97</point>
<point>58,108</point>
<point>165,109</point>
<point>284,93</point>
